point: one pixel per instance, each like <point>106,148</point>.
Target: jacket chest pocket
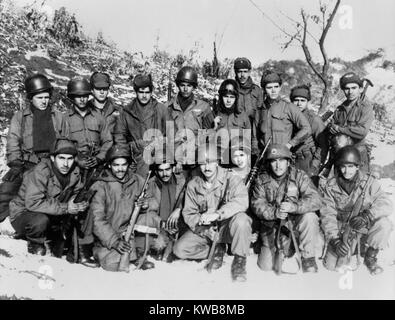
<point>93,129</point>
<point>278,123</point>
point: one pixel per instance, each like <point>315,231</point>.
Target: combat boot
<point>36,248</point>
<point>371,261</point>
<point>86,258</point>
<point>218,257</point>
<point>309,265</point>
<point>238,268</point>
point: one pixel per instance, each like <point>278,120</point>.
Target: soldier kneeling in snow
<point>216,199</point>
<point>45,203</point>
<point>354,201</point>
<point>283,192</point>
<point>116,192</point>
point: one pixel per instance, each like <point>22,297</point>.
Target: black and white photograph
<point>194,150</point>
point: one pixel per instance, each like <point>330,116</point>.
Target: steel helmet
<point>37,83</point>
<point>187,74</point>
<point>78,87</point>
<point>348,154</point>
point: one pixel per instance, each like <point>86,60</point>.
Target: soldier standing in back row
<point>32,132</point>
<point>142,122</point>
<point>100,84</point>
<point>87,126</point>
<point>312,152</point>
<point>190,116</point>
<point>354,117</point>
<point>278,119</point>
<point>250,95</point>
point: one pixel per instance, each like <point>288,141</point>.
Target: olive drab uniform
<point>338,205</point>
<point>266,197</point>
<point>111,208</point>
<point>90,131</point>
<point>110,112</point>
<point>197,117</point>
<point>312,152</point>
<point>355,121</point>
<point>235,224</point>
<point>250,99</point>
<point>133,128</point>
<point>278,120</point>
<point>37,200</point>
<point>20,154</point>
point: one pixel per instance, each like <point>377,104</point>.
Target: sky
<point>238,27</point>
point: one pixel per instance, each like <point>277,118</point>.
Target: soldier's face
<point>229,100</point>
<point>119,167</point>
<point>352,91</point>
<point>242,75</point>
<point>209,169</point>
<point>100,94</point>
<point>144,95</point>
<point>164,172</point>
<point>185,89</point>
<point>279,166</point>
<point>273,90</point>
<point>81,101</point>
<point>348,170</point>
<point>300,102</point>
<point>41,100</point>
<point>63,162</point>
<point>240,159</point>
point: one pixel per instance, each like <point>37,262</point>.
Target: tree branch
<point>323,37</point>
<point>306,49</point>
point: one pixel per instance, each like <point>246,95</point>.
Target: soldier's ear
<point>52,158</point>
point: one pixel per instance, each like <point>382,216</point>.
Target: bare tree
<point>300,35</point>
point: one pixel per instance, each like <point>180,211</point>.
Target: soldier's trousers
<point>306,229</point>
<point>36,227</point>
<point>236,231</point>
<point>377,238</point>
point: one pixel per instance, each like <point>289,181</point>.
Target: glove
<point>16,164</point>
<point>360,221</point>
<point>340,247</point>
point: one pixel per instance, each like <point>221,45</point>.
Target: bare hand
<point>208,218</point>
<point>287,207</point>
<point>334,129</point>
<point>75,208</point>
<point>217,120</point>
<point>92,162</point>
<point>143,203</point>
<point>281,215</point>
<point>83,163</point>
<point>172,221</point>
<point>122,246</point>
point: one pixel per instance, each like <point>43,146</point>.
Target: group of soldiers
<point>181,175</point>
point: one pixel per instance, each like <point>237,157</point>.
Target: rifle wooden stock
<point>125,258</point>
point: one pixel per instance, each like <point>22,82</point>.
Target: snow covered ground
<point>20,275</point>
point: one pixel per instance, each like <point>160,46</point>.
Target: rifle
<point>254,171</point>
<point>210,259</point>
<point>169,85</point>
<point>279,255</point>
<point>350,236</point>
<point>125,258</point>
